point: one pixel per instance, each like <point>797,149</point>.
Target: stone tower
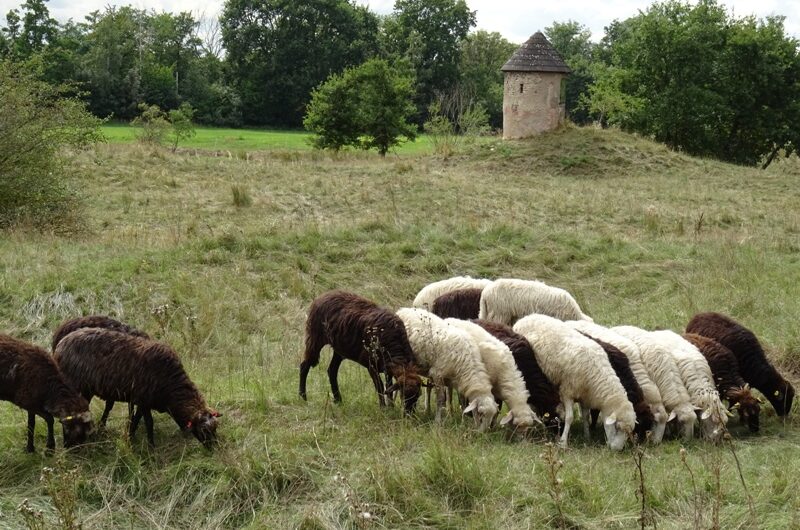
<point>534,90</point>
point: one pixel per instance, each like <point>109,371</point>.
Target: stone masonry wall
<point>534,110</point>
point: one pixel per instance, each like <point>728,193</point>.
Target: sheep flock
<point>519,355</point>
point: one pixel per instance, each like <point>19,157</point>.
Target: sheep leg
<point>148,423</point>
<point>428,391</point>
<point>376,380</point>
<point>586,417</point>
<point>333,376</point>
<point>441,399</point>
<point>134,423</point>
<point>51,439</point>
<point>106,412</point>
<point>305,366</point>
<point>568,416</point>
<point>31,427</point>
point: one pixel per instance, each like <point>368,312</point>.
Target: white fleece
<point>665,374</point>
<point>507,382</point>
<point>507,300</point>
<point>652,396</point>
<point>450,357</point>
<point>429,293</point>
<point>581,370</point>
<point>699,382</point>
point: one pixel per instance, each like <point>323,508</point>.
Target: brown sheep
<point>30,379</point>
<point>728,380</point>
<point>754,366</point>
<point>359,330</point>
<point>143,372</point>
<point>97,321</point>
<point>462,303</point>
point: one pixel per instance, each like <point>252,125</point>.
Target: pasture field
<point>639,234</point>
<point>239,142</point>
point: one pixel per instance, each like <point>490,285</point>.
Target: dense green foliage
<point>368,106</point>
<point>37,121</point>
<point>573,41</point>
<point>481,80</point>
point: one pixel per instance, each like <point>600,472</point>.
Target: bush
<point>181,126</point>
<point>38,121</point>
<point>152,124</point>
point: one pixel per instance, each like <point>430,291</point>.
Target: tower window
<point>521,88</point>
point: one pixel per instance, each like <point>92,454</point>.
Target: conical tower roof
<point>536,55</point>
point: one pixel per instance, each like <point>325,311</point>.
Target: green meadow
<point>220,256</point>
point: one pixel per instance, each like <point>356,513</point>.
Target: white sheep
<point>429,293</point>
<point>582,372</point>
<point>450,357</point>
<point>665,374</point>
<point>507,300</point>
<point>650,390</point>
<point>699,382</point>
<point>507,382</point>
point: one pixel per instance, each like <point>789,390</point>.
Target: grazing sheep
<point>544,397</point>
<point>753,363</point>
<point>31,380</point>
<point>699,382</point>
<point>582,372</point>
<point>508,300</point>
<point>359,330</point>
<point>622,367</point>
<point>148,374</point>
<point>449,357</point>
<point>507,382</point>
<point>649,389</point>
<point>97,321</point>
<point>429,293</point>
<point>728,379</point>
<point>665,374</point>
<point>462,303</point>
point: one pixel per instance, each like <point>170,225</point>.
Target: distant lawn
<point>216,139</point>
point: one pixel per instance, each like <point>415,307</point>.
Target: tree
<point>181,126</point>
<point>366,106</point>
<point>279,50</point>
<point>37,122</point>
<point>481,81</point>
<point>573,41</point>
<point>428,33</point>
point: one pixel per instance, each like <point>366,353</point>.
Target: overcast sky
<point>516,20</point>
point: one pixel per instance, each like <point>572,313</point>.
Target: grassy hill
<point>639,234</point>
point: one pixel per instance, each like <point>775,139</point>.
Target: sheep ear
<point>471,406</point>
<point>746,386</point>
<point>611,419</point>
<point>706,414</point>
<point>672,416</point>
<point>507,418</point>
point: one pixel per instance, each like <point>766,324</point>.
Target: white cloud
<point>516,20</point>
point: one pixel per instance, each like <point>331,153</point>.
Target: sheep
<point>507,300</point>
<point>507,382</point>
<point>622,367</point>
<point>582,372</point>
<point>97,321</point>
<point>114,365</point>
<point>728,379</point>
<point>699,382</point>
<point>544,397</point>
<point>649,389</point>
<point>462,303</point>
<point>449,357</point>
<point>31,380</point>
<point>753,363</point>
<point>429,293</point>
<point>664,373</point>
<point>360,330</point>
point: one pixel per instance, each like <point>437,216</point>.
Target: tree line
<point>692,76</point>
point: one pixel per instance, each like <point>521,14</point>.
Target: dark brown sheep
<point>462,303</point>
<point>622,367</point>
<point>97,321</point>
<point>143,372</point>
<point>359,330</point>
<point>754,366</point>
<point>728,380</point>
<point>30,379</point>
<point>544,397</point>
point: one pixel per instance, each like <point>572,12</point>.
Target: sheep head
<point>483,409</point>
<point>77,428</point>
<point>409,383</point>
<point>203,426</point>
<point>747,405</point>
<point>616,433</point>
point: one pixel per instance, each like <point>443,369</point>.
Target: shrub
<point>37,122</point>
<point>152,124</point>
<point>181,126</point>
